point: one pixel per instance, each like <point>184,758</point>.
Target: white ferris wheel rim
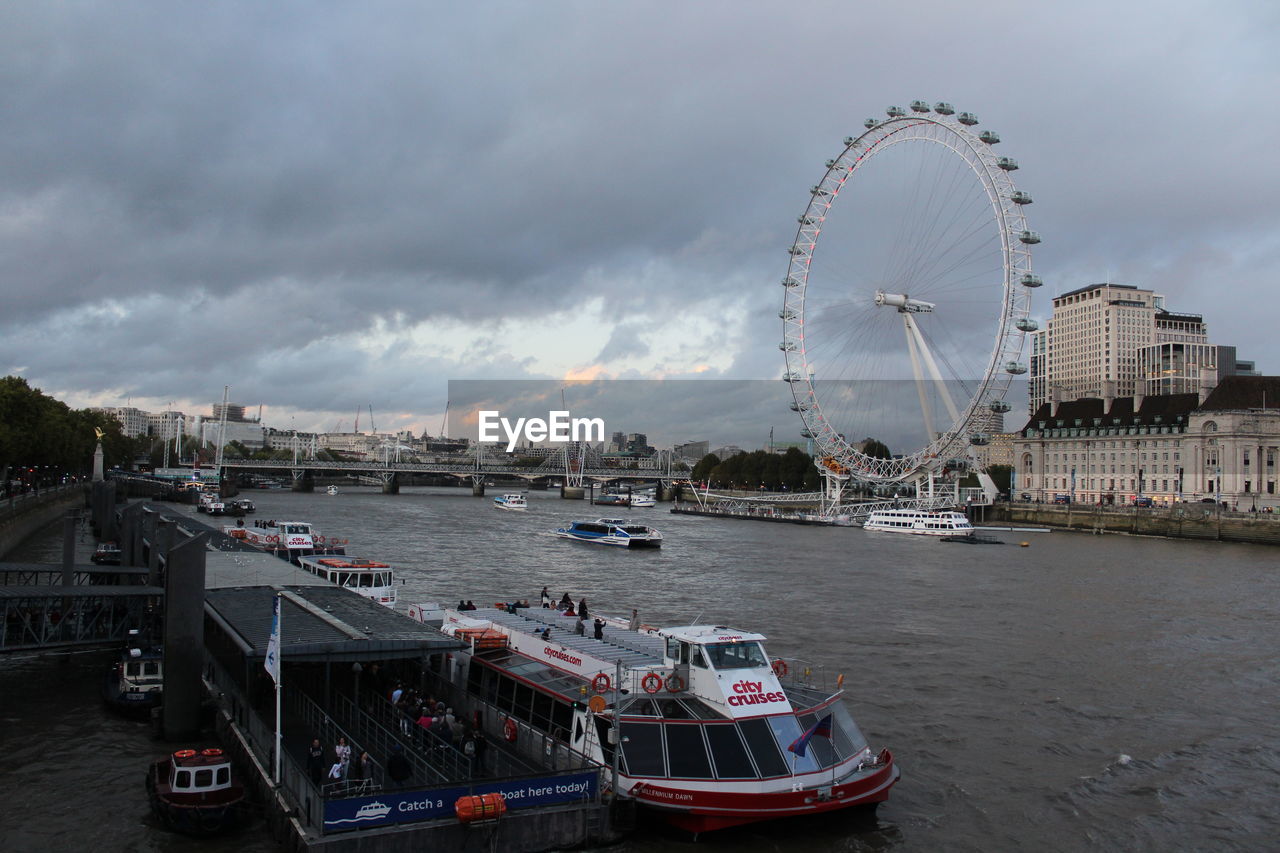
<point>833,452</point>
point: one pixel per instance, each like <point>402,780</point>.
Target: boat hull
<point>615,541</point>
<point>134,704</point>
<point>704,811</point>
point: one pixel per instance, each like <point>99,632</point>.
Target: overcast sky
<point>327,206</point>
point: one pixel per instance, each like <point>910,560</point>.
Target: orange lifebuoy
<point>600,683</point>
<point>510,730</point>
<point>780,668</point>
<point>185,753</point>
<point>675,683</point>
<point>651,683</point>
<point>211,752</point>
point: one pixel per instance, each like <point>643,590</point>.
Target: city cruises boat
<point>512,501</point>
<point>612,531</point>
<point>367,577</point>
<point>714,732</point>
<point>919,522</point>
<point>135,684</point>
<point>196,792</point>
<point>289,540</point>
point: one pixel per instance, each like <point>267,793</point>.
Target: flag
<point>801,744</point>
<point>272,663</point>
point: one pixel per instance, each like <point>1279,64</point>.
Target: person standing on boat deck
<point>634,624</point>
<point>581,627</point>
<point>546,598</point>
<point>582,608</point>
<point>568,611</point>
<point>343,753</point>
<point>599,628</point>
<point>315,761</point>
<point>566,602</point>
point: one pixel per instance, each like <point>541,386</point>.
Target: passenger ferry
<point>289,540</point>
<point>612,531</point>
<point>366,577</point>
<point>196,792</point>
<point>714,732</point>
<point>643,500</point>
<point>919,522</point>
<point>512,501</point>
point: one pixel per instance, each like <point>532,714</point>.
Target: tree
<point>876,449</point>
<point>702,471</point>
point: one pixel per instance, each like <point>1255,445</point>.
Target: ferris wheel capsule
<point>1029,237</point>
<point>989,136</point>
<point>1017,368</point>
<point>920,106</point>
<point>870,123</point>
<point>1031,280</point>
<point>895,112</point>
<point>1026,324</point>
<point>999,407</point>
<point>968,119</point>
<point>1019,197</point>
<point>1008,164</point>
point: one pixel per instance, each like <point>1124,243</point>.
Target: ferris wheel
<point>908,325</point>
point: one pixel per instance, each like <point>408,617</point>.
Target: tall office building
<point>1117,340</point>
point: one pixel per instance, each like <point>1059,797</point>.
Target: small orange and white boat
<point>369,578</point>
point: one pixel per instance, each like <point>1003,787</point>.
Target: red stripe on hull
<point>703,811</point>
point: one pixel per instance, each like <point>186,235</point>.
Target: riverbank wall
<point>1179,521</point>
<point>26,515</point>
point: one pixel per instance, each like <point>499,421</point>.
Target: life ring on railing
<point>273,539</point>
<point>510,730</point>
<point>675,683</point>
<point>211,752</point>
<point>651,683</point>
<point>780,668</point>
<point>320,539</point>
<point>185,753</point>
<point>600,683</point>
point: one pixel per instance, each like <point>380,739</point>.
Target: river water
<point>1080,693</point>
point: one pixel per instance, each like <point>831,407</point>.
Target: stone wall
<point>1180,521</point>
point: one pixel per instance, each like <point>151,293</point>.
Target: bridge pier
<point>184,638</point>
<point>572,493</point>
<point>668,491</point>
<point>303,481</point>
<point>477,487</point>
<point>391,484</point>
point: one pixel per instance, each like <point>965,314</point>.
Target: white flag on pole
<point>272,663</point>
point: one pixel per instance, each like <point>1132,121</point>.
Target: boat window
<point>673,648</point>
<point>366,579</point>
<point>384,579</point>
<point>523,702</point>
<point>730,756</point>
<point>736,655</point>
<point>506,687</point>
<point>764,749</point>
<point>602,733</point>
<point>673,709</point>
<point>848,737</point>
<point>686,752</point>
<point>182,779</point>
<point>224,775</point>
<point>785,730</point>
<point>204,778</point>
<point>131,670</point>
<point>151,668</point>
<point>698,659</point>
<point>642,749</point>
<point>642,708</point>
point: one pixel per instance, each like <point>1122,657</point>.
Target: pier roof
<point>320,623</point>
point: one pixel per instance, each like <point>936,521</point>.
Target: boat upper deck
<point>634,649</point>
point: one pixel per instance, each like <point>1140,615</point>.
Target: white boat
<point>643,499</point>
<point>714,732</point>
<point>332,490</point>
<point>919,522</point>
<point>367,577</point>
<point>290,540</point>
<point>512,501</point>
<point>612,531</point>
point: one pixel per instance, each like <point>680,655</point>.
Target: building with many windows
<point>1218,445</point>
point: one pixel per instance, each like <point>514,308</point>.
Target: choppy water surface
<point>1101,693</point>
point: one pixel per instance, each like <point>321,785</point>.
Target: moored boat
<point>331,491</point>
<point>135,684</point>
<point>713,732</point>
<point>919,522</point>
<point>512,501</point>
<point>106,554</point>
<point>196,792</point>
<point>369,578</point>
<point>289,540</point>
<point>612,531</point>
<point>612,499</point>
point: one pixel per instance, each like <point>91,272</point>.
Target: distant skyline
<point>327,209</point>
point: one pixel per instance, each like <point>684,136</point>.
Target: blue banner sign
<point>435,803</point>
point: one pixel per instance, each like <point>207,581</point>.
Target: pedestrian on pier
<point>343,753</point>
<point>315,761</point>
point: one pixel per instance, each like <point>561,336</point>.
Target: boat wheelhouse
<point>713,732</point>
<point>919,522</point>
<point>196,792</point>
<point>511,501</point>
<point>612,531</point>
<point>366,577</point>
<point>290,540</point>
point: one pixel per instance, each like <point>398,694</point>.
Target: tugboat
<point>612,531</point>
<point>196,792</point>
<point>713,732</point>
<point>135,684</point>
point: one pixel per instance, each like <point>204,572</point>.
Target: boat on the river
<point>289,540</point>
<point>714,733</point>
<point>612,531</point>
<point>135,683</point>
<point>513,501</point>
<point>612,499</point>
<point>106,554</point>
<point>369,578</point>
<point>919,522</point>
<point>331,491</point>
<point>643,499</point>
<point>196,792</point>
<point>241,506</point>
